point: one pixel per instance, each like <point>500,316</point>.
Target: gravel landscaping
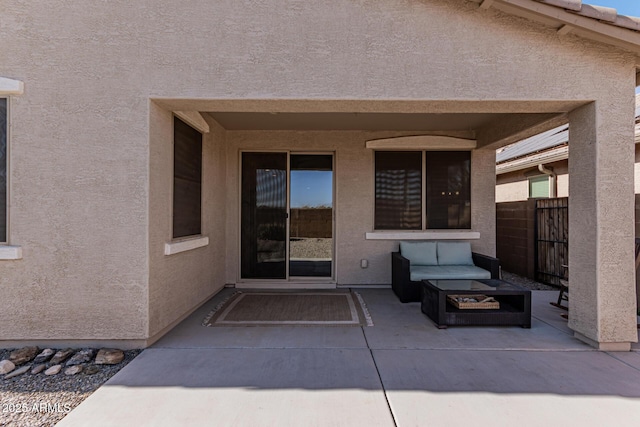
<point>311,248</point>
<point>43,400</point>
<point>526,283</point>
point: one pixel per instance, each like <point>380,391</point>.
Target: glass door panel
<point>263,235</point>
<point>311,220</point>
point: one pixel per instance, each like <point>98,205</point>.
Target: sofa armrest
<point>401,279</point>
<point>487,262</point>
<point>397,260</point>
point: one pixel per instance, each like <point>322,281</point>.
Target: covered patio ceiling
<point>357,121</point>
<point>493,123</point>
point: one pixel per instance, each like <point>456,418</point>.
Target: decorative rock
<point>23,355</point>
<point>91,369</point>
<point>43,356</point>
<point>38,368</point>
<point>76,369</point>
<point>54,370</point>
<point>17,372</point>
<point>83,356</point>
<point>109,356</point>
<point>6,366</point>
<point>61,356</point>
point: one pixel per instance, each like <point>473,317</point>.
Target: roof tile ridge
<point>605,14</point>
<point>601,13</point>
<point>629,22</point>
<point>573,5</point>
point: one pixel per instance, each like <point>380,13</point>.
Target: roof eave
<point>554,155</point>
<point>569,22</point>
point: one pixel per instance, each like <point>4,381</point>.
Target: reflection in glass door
<point>263,225</point>
<point>311,219</point>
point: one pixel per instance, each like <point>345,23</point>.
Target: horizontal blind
<point>187,180</point>
<point>398,190</point>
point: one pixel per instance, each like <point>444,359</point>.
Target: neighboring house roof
<point>535,144</point>
<point>598,23</point>
<point>546,147</point>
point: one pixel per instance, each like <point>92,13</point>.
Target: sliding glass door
<point>311,223</point>
<point>286,216</point>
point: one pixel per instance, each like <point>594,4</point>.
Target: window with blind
<point>416,190</point>
<point>187,180</point>
<point>398,204</point>
<point>3,170</point>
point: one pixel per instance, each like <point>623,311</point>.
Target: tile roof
<point>603,14</point>
<point>599,23</point>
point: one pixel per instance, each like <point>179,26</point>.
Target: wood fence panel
<point>552,239</point>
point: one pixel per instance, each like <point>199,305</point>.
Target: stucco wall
<point>182,281</point>
<point>82,189</point>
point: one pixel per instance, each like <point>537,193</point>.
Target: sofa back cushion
<point>454,253</point>
<point>420,253</point>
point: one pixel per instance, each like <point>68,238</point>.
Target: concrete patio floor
<point>401,372</point>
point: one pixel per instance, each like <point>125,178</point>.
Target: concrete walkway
<point>401,372</point>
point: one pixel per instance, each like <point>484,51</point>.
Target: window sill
<point>424,235</point>
<point>10,252</point>
<point>184,245</point>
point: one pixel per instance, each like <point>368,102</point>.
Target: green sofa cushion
<point>419,253</point>
<point>454,253</point>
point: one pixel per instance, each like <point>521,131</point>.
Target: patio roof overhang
<point>493,123</point>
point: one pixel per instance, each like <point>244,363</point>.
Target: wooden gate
<point>552,239</point>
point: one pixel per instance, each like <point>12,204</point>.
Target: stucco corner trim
<point>11,86</point>
<point>10,252</point>
<point>188,244</point>
<point>422,142</point>
<point>194,119</point>
<point>424,235</point>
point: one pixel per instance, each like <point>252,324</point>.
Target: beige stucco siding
<point>78,208</point>
<point>90,154</point>
<point>182,281</point>
<point>278,48</point>
<point>512,191</point>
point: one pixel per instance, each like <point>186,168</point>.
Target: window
<point>398,204</point>
<point>413,188</point>
<point>539,187</point>
<point>187,180</point>
<point>3,170</point>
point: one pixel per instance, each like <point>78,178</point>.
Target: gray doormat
<point>311,308</point>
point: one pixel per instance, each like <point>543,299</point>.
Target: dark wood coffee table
<point>515,303</point>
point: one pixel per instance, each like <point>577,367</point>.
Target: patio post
<point>602,303</point>
<point>483,199</point>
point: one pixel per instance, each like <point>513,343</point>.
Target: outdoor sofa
<point>420,260</point>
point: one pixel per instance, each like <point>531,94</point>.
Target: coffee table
<point>515,303</point>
